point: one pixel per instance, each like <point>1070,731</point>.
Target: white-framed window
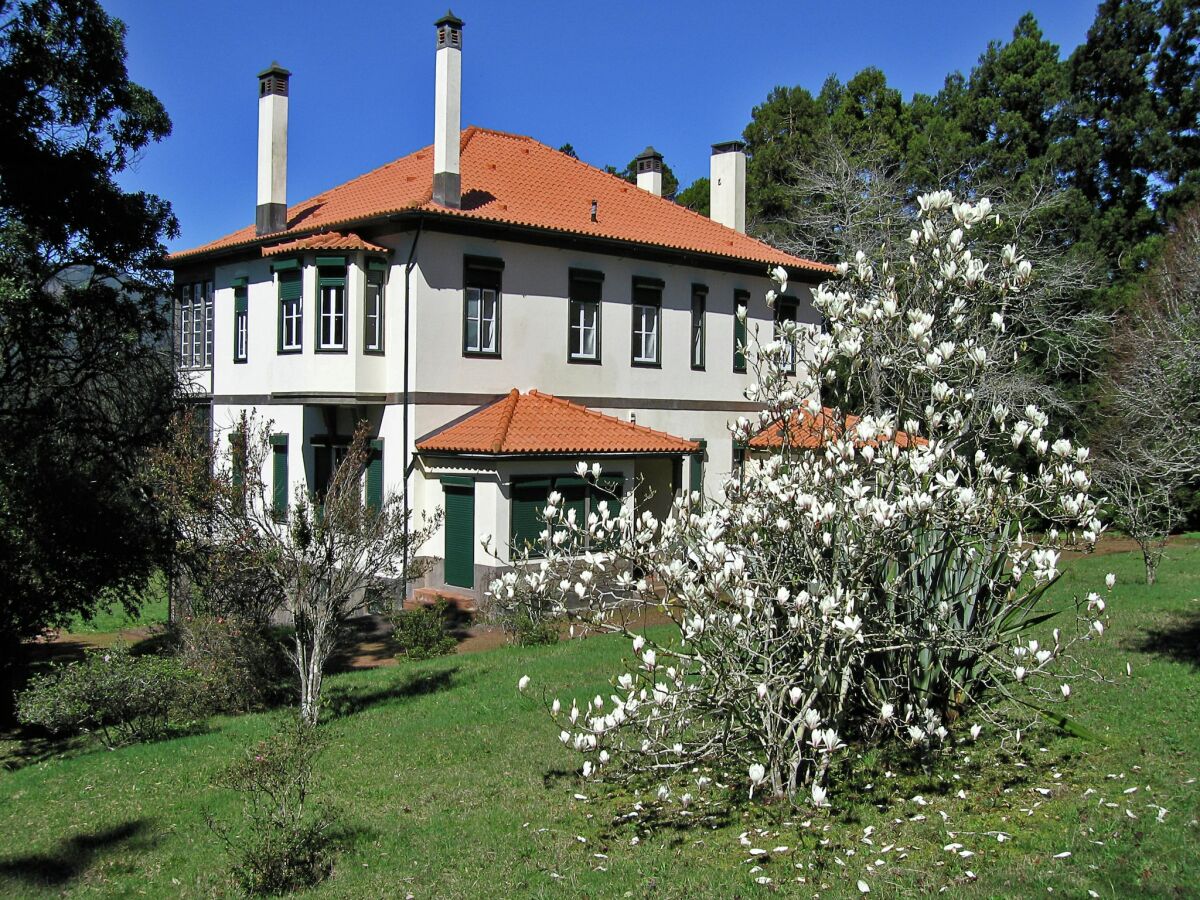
<point>291,311</point>
<point>196,325</point>
<point>373,312</point>
<point>583,316</point>
<point>332,334</point>
<point>647,316</point>
<point>585,327</point>
<point>481,325</point>
<point>482,305</point>
<point>699,302</point>
<point>331,305</point>
<point>241,343</point>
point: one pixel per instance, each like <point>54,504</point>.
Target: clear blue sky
<point>608,77</point>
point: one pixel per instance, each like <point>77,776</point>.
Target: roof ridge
<point>506,418</point>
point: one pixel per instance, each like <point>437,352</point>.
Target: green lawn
<point>113,617</point>
<point>453,785</point>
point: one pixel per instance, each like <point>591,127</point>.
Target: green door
<point>460,531</point>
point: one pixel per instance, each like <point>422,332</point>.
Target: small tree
<point>881,587</point>
<point>1148,438</point>
<point>320,556</point>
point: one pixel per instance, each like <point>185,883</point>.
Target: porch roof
<point>538,424</point>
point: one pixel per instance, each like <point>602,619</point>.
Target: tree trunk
<point>1151,567</point>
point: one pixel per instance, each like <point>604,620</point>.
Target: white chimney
<point>447,113</point>
<point>649,171</point>
<point>270,215</point>
<point>727,184</point>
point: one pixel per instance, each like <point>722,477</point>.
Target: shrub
<point>531,631</point>
<point>422,633</point>
<point>285,843</point>
<point>116,695</point>
<point>242,666</point>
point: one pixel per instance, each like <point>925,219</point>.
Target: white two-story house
<point>497,311</point>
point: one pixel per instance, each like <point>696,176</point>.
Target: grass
<point>113,617</point>
<point>451,784</point>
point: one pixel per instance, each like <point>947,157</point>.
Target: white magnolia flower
<point>819,795</point>
<point>975,731</point>
<point>886,711</point>
<point>555,707</point>
<point>794,695</point>
<point>581,469</point>
<point>757,773</point>
<point>1066,690</point>
<point>523,683</point>
<point>1110,579</point>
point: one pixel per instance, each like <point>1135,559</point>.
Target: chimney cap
<point>649,153</point>
<point>449,19</point>
<point>728,147</point>
<point>274,69</point>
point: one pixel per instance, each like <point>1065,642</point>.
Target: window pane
<point>472,334</point>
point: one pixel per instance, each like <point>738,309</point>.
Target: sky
<point>607,77</point>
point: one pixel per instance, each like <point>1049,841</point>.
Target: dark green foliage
<point>696,196</point>
<point>423,632</point>
<point>531,631</point>
<point>116,695</point>
<point>241,665</point>
<point>86,383</point>
<point>784,129</point>
<point>284,843</point>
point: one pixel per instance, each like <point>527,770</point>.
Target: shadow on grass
<point>74,855</point>
<point>344,700</point>
<point>1178,639</point>
<point>21,747</point>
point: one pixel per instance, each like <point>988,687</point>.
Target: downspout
<point>408,267</point>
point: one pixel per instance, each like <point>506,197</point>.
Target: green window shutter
<point>574,492</point>
<point>279,475</point>
<point>290,285</point>
<point>375,476</point>
<point>460,535</point>
<point>696,469</point>
<point>334,261</point>
<point>528,500</point>
<point>610,488</point>
<point>740,299</point>
<point>237,457</point>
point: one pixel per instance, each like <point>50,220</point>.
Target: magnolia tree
<point>889,586</point>
<point>319,557</point>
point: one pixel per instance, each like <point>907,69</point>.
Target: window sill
<point>240,362</point>
<point>646,364</point>
<point>373,353</point>
<point>289,351</point>
<point>326,350</point>
<point>583,360</point>
<point>698,368</point>
<point>481,354</point>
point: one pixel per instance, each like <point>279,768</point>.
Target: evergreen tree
<point>86,385</point>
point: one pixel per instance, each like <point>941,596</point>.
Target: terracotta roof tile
<point>539,424</point>
<point>810,432</point>
<point>326,240</point>
<point>515,180</point>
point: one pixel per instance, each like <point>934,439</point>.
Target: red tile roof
<point>539,424</point>
<point>326,240</point>
<point>515,180</point>
<point>809,432</point>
